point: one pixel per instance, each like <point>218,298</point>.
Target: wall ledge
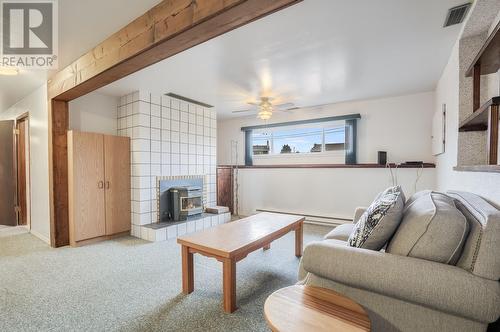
<point>478,168</point>
<point>425,165</point>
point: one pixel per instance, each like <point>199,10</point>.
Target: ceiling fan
<point>264,108</point>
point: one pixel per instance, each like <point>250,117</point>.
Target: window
<point>324,140</point>
<point>316,138</point>
<point>261,143</point>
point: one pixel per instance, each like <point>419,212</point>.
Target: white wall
<point>36,105</point>
<point>400,125</point>
<point>326,192</point>
<point>94,112</point>
<point>484,184</point>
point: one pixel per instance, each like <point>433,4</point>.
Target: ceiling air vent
<point>189,100</point>
<point>456,15</point>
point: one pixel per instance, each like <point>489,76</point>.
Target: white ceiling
<point>82,25</point>
<point>315,52</point>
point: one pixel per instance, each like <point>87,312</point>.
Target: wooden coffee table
<point>307,308</point>
<point>231,242</point>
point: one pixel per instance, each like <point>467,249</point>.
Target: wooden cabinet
<point>117,184</point>
<point>98,186</point>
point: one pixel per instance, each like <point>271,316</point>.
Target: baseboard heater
<point>314,219</point>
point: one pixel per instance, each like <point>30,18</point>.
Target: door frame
<point>170,27</point>
<point>25,117</point>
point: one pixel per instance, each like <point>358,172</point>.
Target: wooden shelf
<point>478,121</point>
<point>478,168</point>
<point>488,56</point>
<point>425,165</point>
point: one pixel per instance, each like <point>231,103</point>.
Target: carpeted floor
<point>132,285</point>
<point>10,230</point>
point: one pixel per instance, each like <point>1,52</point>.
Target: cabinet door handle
<point>100,184</point>
<point>107,184</point>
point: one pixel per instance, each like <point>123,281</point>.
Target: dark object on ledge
<point>412,163</point>
<point>382,157</point>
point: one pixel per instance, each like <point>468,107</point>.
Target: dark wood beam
<point>58,169</point>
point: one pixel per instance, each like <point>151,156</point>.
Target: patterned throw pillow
<point>379,222</point>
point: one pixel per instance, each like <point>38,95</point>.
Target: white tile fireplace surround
<point>168,137</point>
<point>166,231</point>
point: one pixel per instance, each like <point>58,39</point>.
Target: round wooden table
<point>307,308</point>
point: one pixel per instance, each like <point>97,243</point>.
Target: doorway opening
<point>23,179</point>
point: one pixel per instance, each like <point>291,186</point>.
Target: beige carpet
<point>11,230</point>
<point>132,285</point>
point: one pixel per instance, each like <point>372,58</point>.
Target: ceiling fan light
<point>266,104</point>
<point>265,114</point>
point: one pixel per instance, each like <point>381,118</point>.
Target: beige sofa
<point>409,294</point>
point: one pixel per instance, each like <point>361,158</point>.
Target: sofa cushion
<point>380,220</point>
<point>416,196</point>
<point>432,228</point>
<point>480,253</point>
<point>341,232</point>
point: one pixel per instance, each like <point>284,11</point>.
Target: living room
<point>255,166</point>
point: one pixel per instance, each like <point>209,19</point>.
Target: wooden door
<point>7,175</point>
<point>117,175</point>
<point>225,187</point>
<point>86,186</point>
<point>22,159</point>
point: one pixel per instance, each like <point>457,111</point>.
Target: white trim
<point>315,220</point>
<point>40,236</point>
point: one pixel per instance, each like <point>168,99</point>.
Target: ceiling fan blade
<point>284,106</point>
<point>244,111</point>
<point>289,110</point>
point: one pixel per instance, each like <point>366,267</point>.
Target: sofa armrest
<point>358,213</point>
<point>438,286</point>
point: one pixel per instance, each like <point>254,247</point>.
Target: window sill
<point>426,165</point>
<point>478,168</point>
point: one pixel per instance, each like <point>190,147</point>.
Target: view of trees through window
<point>315,138</point>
